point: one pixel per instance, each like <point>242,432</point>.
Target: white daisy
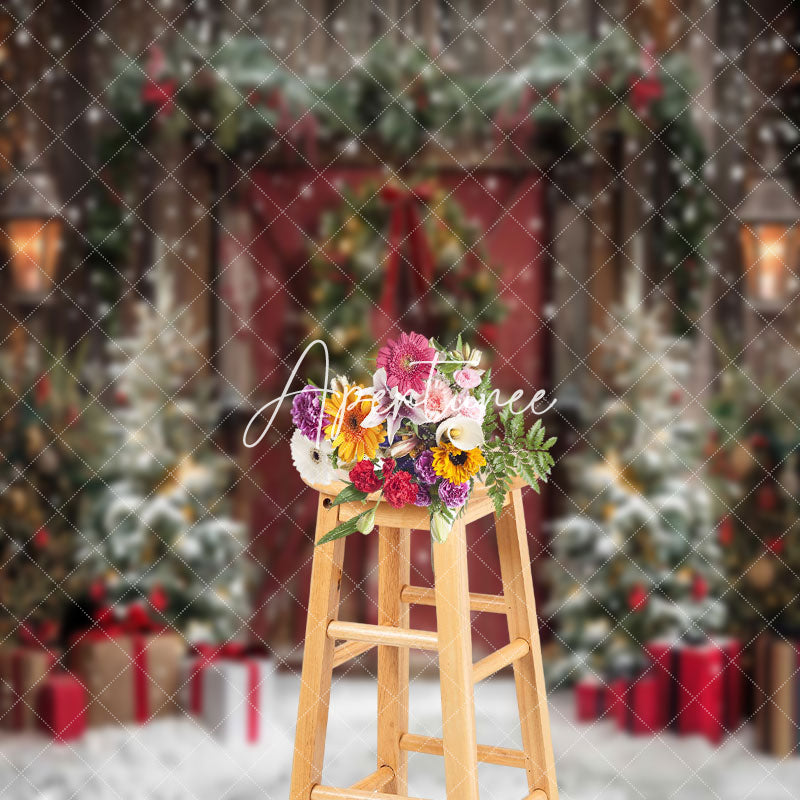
<point>313,463</point>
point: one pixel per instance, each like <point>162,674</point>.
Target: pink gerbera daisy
<point>408,362</point>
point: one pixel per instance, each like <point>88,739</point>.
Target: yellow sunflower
<point>345,431</point>
<point>456,466</point>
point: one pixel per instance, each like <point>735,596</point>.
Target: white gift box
<point>235,694</point>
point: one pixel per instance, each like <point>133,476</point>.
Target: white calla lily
<point>463,432</point>
<point>440,528</point>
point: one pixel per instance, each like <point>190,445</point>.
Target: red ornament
<point>42,390</point>
<point>364,478</point>
<point>699,588</point>
<point>637,598</point>
<point>758,440</point>
<point>725,531</point>
<point>767,498</point>
<point>160,94</point>
<point>41,538</point>
<point>675,397</point>
<point>776,545</point>
<point>97,591</point>
<point>158,599</point>
<point>645,91</point>
<point>399,490</point>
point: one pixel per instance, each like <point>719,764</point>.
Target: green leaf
<point>348,495</point>
<point>345,529</point>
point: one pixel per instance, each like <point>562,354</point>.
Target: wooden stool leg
<point>455,665</point>
<point>394,572</point>
<point>515,567</point>
<point>315,685</point>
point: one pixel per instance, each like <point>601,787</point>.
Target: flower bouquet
<point>423,434</point>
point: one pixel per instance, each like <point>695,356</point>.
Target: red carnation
<point>637,598</point>
<point>399,489</point>
<point>364,478</point>
<point>41,538</point>
<point>699,588</point>
<point>158,599</point>
<point>388,467</point>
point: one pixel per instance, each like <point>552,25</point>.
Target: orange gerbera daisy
<point>347,411</point>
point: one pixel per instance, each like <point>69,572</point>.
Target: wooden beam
<point>423,596</point>
<point>383,635</point>
<point>433,746</point>
<point>494,662</point>
<point>376,781</point>
<point>348,651</point>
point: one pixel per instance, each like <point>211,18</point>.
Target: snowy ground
<point>174,759</point>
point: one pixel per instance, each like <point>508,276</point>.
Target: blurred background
<point>599,196</point>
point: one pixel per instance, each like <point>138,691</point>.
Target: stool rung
<point>422,596</point>
<point>375,781</point>
<point>331,793</point>
<point>504,756</point>
<point>348,651</point>
<point>494,662</point>
<point>383,635</point>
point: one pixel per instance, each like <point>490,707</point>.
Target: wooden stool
<point>453,642</point>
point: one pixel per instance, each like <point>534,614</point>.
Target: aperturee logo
<point>428,429</point>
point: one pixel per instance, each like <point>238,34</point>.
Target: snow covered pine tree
<point>163,537</point>
<point>638,558</point>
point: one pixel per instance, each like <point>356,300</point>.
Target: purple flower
<point>306,412</point>
<point>423,466</point>
<point>454,495</point>
<point>423,496</point>
<point>391,407</point>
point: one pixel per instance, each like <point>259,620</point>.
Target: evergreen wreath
<point>432,273</point>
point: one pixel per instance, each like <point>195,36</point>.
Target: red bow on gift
<point>41,635</point>
<point>406,229</point>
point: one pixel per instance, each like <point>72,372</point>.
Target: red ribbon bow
<point>406,230</point>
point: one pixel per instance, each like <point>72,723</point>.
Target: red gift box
<point>61,707</point>
<point>23,670</point>
<point>131,669</point>
<point>702,683</point>
<point>639,704</point>
<point>590,699</point>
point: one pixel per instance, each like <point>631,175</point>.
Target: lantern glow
<point>32,227</point>
<point>770,235</point>
<point>33,245</point>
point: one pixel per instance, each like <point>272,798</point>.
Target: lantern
<point>32,227</point>
<point>770,218</point>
